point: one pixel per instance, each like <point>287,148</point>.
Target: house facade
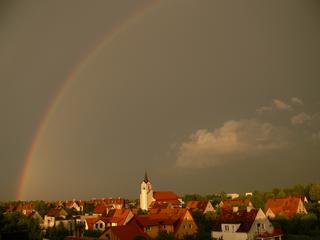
<point>245,225</point>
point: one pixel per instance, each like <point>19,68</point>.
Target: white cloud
<point>301,118</point>
<point>296,101</point>
<point>280,105</point>
<point>232,140</point>
<point>264,109</point>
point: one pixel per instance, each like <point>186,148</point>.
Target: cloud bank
<point>300,119</point>
<point>233,140</point>
<point>296,101</point>
<point>281,105</point>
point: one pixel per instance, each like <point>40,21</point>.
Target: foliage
<point>299,225</point>
<point>57,233</point>
<point>314,192</point>
<point>139,238</point>
<point>204,223</point>
<point>88,208</point>
<point>165,236</point>
<point>16,225</point>
<point>258,201</point>
<point>71,211</point>
<point>92,233</point>
<point>41,207</point>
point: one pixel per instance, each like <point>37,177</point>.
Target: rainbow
<point>67,83</point>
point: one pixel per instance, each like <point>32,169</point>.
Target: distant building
<point>203,206</point>
<point>54,215</point>
<point>126,232</point>
<point>150,199</point>
<point>286,207</point>
<point>233,195</point>
<point>236,204</point>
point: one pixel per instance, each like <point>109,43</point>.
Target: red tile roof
<point>242,217</point>
<point>287,207</point>
<point>127,232</point>
<point>201,205</point>
<point>101,209</point>
<point>91,221</point>
<point>26,206</point>
<point>54,212</point>
<point>120,215</point>
<point>167,216</point>
<point>108,201</point>
<point>165,196</point>
<point>229,203</point>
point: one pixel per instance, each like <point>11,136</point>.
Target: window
<point>190,225</point>
<point>148,229</point>
<point>97,225</point>
<point>226,228</point>
<point>101,225</point>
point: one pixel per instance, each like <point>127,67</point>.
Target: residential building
<point>245,225</point>
<point>178,221</point>
<point>286,207</point>
<point>203,206</point>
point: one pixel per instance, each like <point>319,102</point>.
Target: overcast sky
<point>204,95</point>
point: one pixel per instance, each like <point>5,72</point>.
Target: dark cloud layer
<point>245,72</point>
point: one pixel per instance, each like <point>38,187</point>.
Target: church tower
<point>146,193</point>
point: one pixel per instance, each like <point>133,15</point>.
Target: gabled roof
<point>167,216</point>
<point>287,206</point>
<point>242,217</point>
<point>101,209</point>
<point>56,212</point>
<point>201,205</point>
<point>152,220</point>
<point>165,196</point>
<point>158,204</point>
<point>91,221</point>
<point>120,215</point>
<point>229,203</point>
<point>127,232</point>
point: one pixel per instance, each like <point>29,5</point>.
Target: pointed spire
<point>146,177</point>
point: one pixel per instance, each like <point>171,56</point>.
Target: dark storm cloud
<point>182,67</point>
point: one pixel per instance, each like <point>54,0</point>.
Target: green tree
<point>17,226</point>
<point>88,208</point>
<point>281,194</point>
<point>314,192</point>
<point>41,207</point>
<point>57,233</point>
<point>165,236</point>
<point>92,233</point>
<point>139,238</point>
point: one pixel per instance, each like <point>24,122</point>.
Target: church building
<point>150,199</point>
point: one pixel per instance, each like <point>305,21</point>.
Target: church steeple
<point>146,193</point>
<point>146,179</point>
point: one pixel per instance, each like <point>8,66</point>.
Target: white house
<point>245,225</point>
